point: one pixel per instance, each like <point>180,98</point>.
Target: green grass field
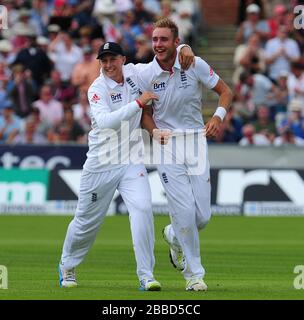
<point>245,258</point>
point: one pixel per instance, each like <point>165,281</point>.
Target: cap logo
<point>106,46</point>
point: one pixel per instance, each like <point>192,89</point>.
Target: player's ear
<point>124,59</point>
<point>177,42</point>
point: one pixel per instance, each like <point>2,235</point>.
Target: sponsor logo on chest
<point>158,86</point>
<point>116,97</point>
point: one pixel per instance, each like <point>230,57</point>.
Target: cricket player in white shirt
<point>178,108</point>
<point>113,164</point>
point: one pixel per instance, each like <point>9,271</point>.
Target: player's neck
<point>118,79</point>
<point>167,65</point>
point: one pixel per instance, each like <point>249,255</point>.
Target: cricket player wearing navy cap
<point>179,109</point>
<point>114,98</point>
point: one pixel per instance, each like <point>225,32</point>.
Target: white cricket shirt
<point>180,93</point>
<point>110,145</point>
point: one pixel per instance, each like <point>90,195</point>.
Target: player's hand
<point>186,57</point>
<point>162,135</point>
<point>212,127</point>
<point>147,97</point>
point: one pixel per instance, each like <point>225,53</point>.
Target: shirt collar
<point>111,83</point>
<point>159,70</point>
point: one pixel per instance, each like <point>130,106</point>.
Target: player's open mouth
<point>159,51</point>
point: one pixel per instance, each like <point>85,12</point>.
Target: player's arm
<point>107,118</point>
<point>206,75</point>
<point>225,98</point>
<point>147,123</point>
<point>186,56</point>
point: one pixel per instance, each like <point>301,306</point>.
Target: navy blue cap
<point>111,48</point>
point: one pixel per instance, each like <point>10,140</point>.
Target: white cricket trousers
<point>95,194</point>
<point>189,198</point>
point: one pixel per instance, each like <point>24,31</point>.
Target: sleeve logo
<point>211,72</point>
<point>95,98</point>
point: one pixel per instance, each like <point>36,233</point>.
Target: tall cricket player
<point>179,109</point>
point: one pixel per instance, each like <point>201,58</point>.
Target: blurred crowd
<point>268,80</point>
<point>48,59</point>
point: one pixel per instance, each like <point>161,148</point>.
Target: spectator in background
<point>249,57</point>
<point>296,105</point>
<point>278,19</point>
<point>69,130</point>
<point>250,137</point>
<point>39,16</point>
<point>51,110</point>
<point>42,128</point>
<point>281,96</point>
<point>243,4</point>
<point>231,128</point>
<point>81,112</point>
<point>166,9</point>
<point>63,11</point>
<point>10,124</point>
<point>12,19</point>
<point>30,135</point>
<point>144,52</point>
<point>294,119</point>
<point>20,37</point>
<point>4,74</point>
<point>22,90</point>
<point>3,95</point>
<point>260,89</point>
<point>43,44</point>
<point>287,137</point>
<point>62,91</point>
<point>123,6</point>
<point>85,72</point>
<point>281,51</point>
<point>184,11</point>
<point>153,7</point>
<point>7,55</point>
<point>96,43</point>
<point>82,14</point>
<point>181,14</point>
<point>53,30</point>
<point>295,82</point>
<point>264,124</point>
<point>105,7</point>
<point>64,54</point>
<point>62,134</point>
<point>105,12</point>
<point>252,24</point>
<point>85,34</point>
<point>293,33</point>
<point>129,30</point>
<point>142,16</point>
<point>25,22</point>
<point>34,59</point>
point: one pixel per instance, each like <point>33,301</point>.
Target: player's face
<point>112,66</point>
<point>164,45</point>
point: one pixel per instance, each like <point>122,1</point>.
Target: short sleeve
<point>205,73</point>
